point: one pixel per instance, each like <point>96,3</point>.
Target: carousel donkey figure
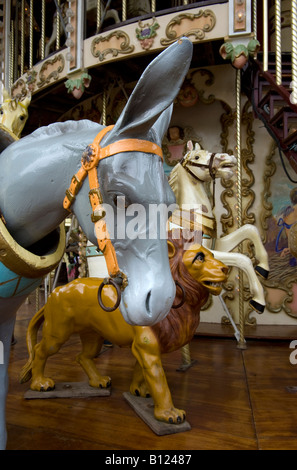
<point>122,161</point>
<point>13,117</point>
<point>187,181</point>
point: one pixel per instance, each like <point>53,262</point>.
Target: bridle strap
<point>90,161</point>
<point>186,163</point>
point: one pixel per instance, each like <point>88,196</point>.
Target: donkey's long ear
<point>155,91</point>
<point>162,124</point>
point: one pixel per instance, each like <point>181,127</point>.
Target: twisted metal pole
<point>294,49</point>
<point>265,35</point>
<point>31,28</point>
<point>124,10</point>
<point>278,42</point>
<point>42,55</point>
<point>241,343</point>
<point>22,37</point>
<point>255,18</point>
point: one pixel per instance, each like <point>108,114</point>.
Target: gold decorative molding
<point>209,81</point>
<point>189,24</point>
<point>50,70</point>
<point>248,157</point>
<point>227,121</point>
<point>115,43</point>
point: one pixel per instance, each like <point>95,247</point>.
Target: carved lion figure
<point>74,308</point>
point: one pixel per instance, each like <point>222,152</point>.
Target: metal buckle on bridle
<point>184,162</point>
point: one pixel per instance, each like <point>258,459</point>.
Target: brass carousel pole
<point>11,54</point>
<point>241,343</point>
<point>22,37</point>
<point>124,10</point>
<point>42,55</point>
<point>58,27</point>
<point>31,35</point>
<point>104,109</point>
<point>294,50</point>
<point>99,16</point>
<point>278,42</point>
<point>265,35</point>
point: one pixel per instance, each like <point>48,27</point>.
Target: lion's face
<point>205,269</point>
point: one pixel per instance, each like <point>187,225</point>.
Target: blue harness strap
<point>281,223</point>
<point>13,285</point>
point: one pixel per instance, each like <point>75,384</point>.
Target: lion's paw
<point>42,384</point>
<point>100,382</point>
<point>171,415</point>
<point>140,390</point>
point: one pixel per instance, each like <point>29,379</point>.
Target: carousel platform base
<point>144,408</point>
<point>69,390</point>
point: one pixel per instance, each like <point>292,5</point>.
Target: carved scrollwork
<point>210,79</point>
<point>50,70</point>
<point>202,22</point>
<point>117,38</point>
<point>227,121</point>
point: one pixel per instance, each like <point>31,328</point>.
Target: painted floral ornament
<point>146,33</point>
<point>77,86</point>
<point>239,55</point>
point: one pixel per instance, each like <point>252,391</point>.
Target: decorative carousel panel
<point>190,24</point>
<point>278,221</point>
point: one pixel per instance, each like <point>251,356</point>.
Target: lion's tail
<point>34,325</point>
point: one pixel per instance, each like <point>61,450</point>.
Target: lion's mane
<point>179,327</point>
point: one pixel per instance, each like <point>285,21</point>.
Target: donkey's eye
<point>197,158</point>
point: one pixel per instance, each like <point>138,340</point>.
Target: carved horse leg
<point>246,232</point>
<point>245,264</point>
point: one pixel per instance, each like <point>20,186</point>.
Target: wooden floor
<point>234,399</point>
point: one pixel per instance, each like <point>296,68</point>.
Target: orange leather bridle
<point>89,165</point>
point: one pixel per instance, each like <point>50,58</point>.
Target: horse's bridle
<point>91,158</point>
<point>185,163</point>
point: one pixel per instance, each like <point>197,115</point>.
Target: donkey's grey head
<point>133,184</point>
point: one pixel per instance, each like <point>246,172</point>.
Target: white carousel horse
<point>36,171</point>
<point>187,182</point>
<point>14,113</point>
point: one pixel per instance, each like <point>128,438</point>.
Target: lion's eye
<point>199,257</point>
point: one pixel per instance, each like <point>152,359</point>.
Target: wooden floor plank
<point>269,373</point>
<point>234,400</point>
